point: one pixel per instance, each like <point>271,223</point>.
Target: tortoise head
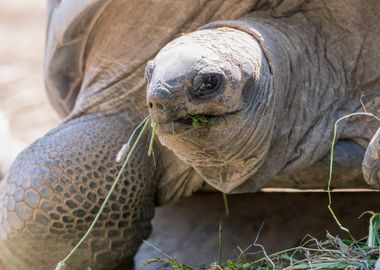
<point>208,93</point>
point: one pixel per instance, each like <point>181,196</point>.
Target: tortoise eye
<point>210,82</point>
<point>207,84</point>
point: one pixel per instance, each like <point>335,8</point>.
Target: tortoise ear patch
<point>149,68</point>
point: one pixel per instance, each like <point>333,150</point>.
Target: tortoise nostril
<point>156,105</point>
<point>160,106</point>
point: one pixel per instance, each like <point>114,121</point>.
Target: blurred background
<point>25,113</point>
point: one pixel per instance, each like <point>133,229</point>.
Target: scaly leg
<point>55,188</point>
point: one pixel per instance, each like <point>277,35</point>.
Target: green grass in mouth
<point>197,119</point>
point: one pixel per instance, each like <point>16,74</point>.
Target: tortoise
<point>268,78</point>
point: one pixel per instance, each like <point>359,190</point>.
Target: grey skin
<point>287,70</point>
<point>271,101</point>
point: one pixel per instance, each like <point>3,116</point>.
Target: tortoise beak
<point>163,105</point>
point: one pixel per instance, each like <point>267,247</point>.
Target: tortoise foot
<point>371,162</point>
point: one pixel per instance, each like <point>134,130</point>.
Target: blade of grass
<point>373,230</point>
<point>126,147</point>
<point>150,149</point>
<point>176,265</point>
<point>220,242</point>
<point>329,206</point>
<point>226,206</point>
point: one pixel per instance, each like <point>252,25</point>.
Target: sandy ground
<point>186,230</point>
<point>25,113</point>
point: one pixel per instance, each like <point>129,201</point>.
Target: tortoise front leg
<point>371,163</point>
<point>55,188</point>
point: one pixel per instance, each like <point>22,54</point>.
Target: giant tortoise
<point>268,79</point>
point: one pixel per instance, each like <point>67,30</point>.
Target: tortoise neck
<point>175,178</point>
<point>307,94</point>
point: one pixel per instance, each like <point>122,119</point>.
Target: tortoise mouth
<point>193,122</point>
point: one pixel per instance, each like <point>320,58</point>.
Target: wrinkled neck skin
<point>306,97</point>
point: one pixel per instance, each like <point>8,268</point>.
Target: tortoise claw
<point>371,162</point>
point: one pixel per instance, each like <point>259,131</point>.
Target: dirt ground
<point>25,113</point>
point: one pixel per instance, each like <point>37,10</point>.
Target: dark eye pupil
<point>210,82</point>
<point>206,85</point>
